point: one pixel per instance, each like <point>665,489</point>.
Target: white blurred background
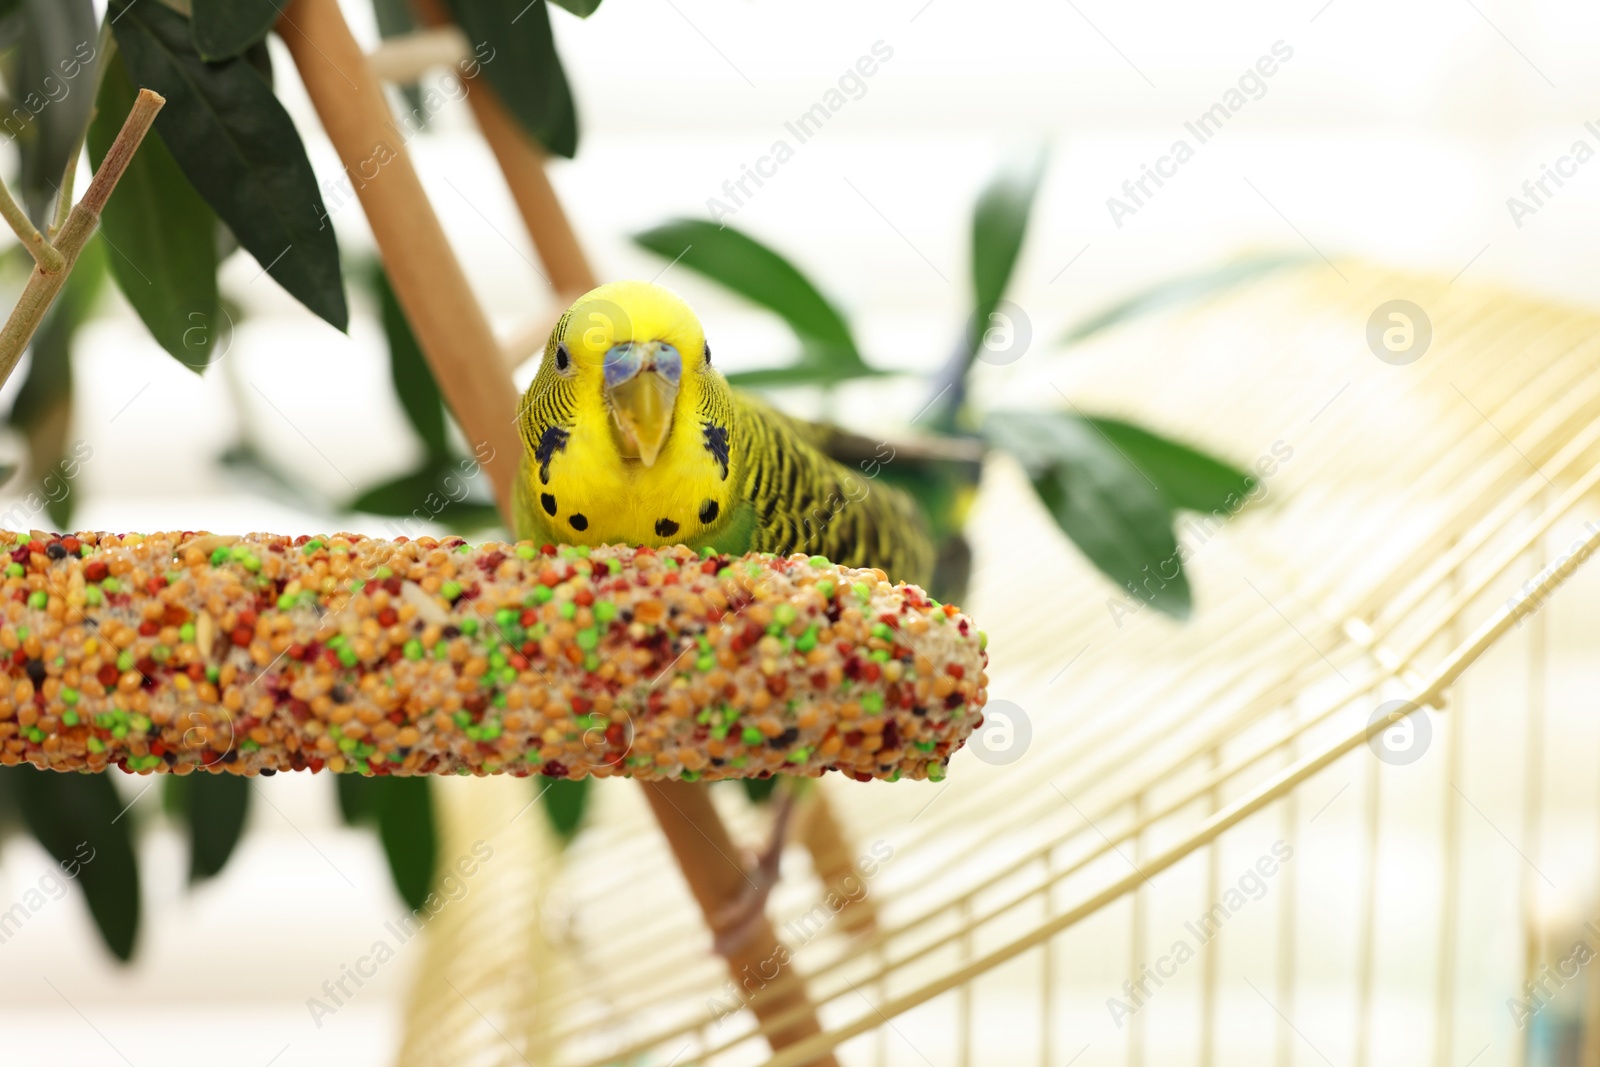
<point>1395,132</point>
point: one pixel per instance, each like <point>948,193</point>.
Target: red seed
<point>242,635</point>
<point>96,570</point>
<point>583,598</point>
<point>388,617</point>
<point>149,628</point>
<point>956,670</point>
<point>108,675</point>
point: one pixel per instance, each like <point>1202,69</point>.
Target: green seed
<point>38,599</point>
<point>450,590</point>
<point>413,649</point>
<point>526,552</point>
<point>588,638</point>
<point>751,736</point>
<point>872,703</point>
<point>604,611</point>
<point>92,596</point>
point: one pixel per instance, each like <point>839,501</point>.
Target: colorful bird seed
<point>181,651</point>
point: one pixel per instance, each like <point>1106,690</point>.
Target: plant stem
<point>45,283</point>
<point>44,254</point>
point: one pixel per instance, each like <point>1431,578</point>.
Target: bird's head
<point>635,351</point>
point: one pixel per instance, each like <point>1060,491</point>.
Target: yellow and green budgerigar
<point>633,437</point>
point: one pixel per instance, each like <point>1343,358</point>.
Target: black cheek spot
<point>666,527</point>
<point>549,503</point>
<point>708,512</point>
<point>579,522</point>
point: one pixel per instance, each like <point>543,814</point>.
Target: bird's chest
<point>587,494</point>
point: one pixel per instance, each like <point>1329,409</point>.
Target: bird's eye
<point>563,361</point>
<point>708,353</point>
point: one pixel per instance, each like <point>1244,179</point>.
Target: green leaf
<point>214,808</point>
<point>741,263</point>
<point>512,42</point>
<point>239,148</point>
<point>432,493</point>
<point>163,231</point>
<point>1109,509</point>
<point>1189,478</point>
<point>80,820</point>
<point>1181,290</point>
<point>394,18</point>
<point>410,839</point>
<point>565,800</point>
<point>402,810</point>
<point>759,790</point>
<point>408,369</point>
<point>356,800</point>
<point>999,223</point>
<point>51,95</point>
<point>222,29</point>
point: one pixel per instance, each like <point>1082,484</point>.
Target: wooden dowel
<point>428,281</point>
<point>819,830</point>
<point>717,878</point>
<point>522,161</point>
<point>462,352</point>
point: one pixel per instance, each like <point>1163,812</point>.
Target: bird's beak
<point>642,387</point>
